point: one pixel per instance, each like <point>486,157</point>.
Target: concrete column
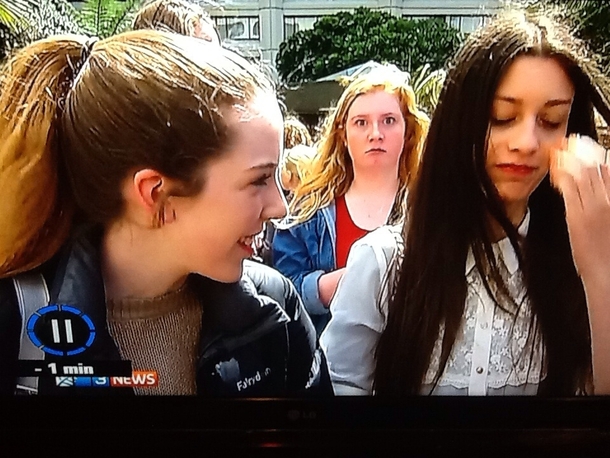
<point>391,6</point>
<point>272,28</point>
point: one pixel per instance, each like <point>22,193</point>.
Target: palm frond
<point>104,18</point>
<point>427,86</point>
<point>8,17</point>
<point>13,14</point>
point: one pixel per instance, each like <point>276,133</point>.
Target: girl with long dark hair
<point>491,286</point>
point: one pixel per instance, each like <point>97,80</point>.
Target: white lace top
<point>495,353</point>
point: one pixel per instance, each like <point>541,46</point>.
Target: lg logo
<point>294,415</point>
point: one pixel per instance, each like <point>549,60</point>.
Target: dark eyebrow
<point>550,103</point>
<point>268,165</point>
<point>503,98</point>
<point>556,102</point>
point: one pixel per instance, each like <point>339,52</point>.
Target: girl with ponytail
<point>134,172</point>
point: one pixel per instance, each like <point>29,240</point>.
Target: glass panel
<point>455,21</point>
<point>290,27</point>
<point>221,25</point>
<point>467,23</point>
<point>255,28</point>
<point>293,24</point>
<point>305,23</point>
<point>471,23</point>
<point>238,28</point>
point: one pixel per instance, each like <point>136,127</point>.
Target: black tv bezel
<point>562,427</point>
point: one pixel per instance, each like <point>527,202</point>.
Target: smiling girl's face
<point>529,118</point>
<point>213,231</point>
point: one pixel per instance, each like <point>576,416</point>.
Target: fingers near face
<point>586,149</point>
<point>604,171</point>
<point>581,164</point>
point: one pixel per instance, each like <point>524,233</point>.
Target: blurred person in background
<point>178,16</point>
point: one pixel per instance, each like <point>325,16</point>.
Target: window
<point>464,23</point>
<point>292,24</point>
<point>467,23</point>
<point>422,17</point>
<point>238,28</point>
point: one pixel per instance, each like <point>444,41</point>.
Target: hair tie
<point>84,57</point>
<point>77,68</point>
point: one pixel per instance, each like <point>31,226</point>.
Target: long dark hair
<point>449,212</point>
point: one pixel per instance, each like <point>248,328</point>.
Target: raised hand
<point>581,174</point>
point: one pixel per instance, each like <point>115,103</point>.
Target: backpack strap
<point>32,294</point>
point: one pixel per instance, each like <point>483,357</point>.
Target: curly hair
<point>332,171</point>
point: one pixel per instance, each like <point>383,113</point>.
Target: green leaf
<point>104,18</point>
<point>12,14</point>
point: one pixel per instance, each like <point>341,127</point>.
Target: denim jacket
<point>303,253</point>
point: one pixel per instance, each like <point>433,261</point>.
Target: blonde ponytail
<point>36,204</point>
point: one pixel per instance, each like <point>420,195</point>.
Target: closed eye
<point>501,121</point>
<point>550,124</point>
<point>262,180</point>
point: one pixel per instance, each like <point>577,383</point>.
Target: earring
<point>163,216</point>
<point>169,215</point>
<point>159,218</point>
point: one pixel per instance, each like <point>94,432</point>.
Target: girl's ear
<point>149,191</point>
<point>148,188</point>
<point>294,181</point>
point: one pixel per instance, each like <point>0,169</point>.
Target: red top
<point>347,232</point>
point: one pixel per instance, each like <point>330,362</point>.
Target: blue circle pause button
<point>61,330</point>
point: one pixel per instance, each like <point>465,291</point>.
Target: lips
<point>246,244</point>
<point>517,169</point>
<point>375,150</point>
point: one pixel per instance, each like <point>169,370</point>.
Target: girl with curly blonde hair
<point>367,159</point>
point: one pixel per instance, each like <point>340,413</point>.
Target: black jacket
<point>256,338</point>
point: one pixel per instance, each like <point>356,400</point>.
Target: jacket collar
<point>78,282</point>
<point>232,308</point>
<point>228,308</point>
<point>503,249</point>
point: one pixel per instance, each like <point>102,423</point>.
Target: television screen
<point>384,249</point>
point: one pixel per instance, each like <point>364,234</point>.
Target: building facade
<point>257,27</point>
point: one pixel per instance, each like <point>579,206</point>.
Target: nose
<point>525,138</point>
<point>276,206</point>
<point>375,133</point>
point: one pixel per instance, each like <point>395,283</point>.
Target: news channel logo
<point>68,382</point>
<point>138,379</point>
